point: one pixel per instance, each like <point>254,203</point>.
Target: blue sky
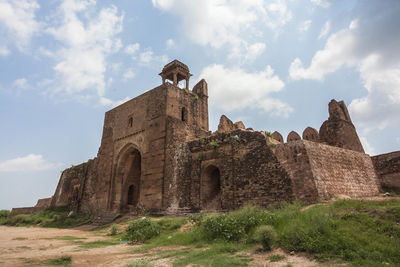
<point>274,65</point>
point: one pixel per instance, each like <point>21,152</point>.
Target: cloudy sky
<point>273,64</point>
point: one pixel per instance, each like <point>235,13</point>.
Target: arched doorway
<point>127,180</point>
<point>211,188</point>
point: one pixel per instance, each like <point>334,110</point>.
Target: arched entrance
<point>211,188</point>
<point>127,180</point>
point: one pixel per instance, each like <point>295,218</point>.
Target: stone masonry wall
<point>339,171</point>
<point>249,171</point>
<point>76,186</point>
<point>387,167</point>
<point>294,158</point>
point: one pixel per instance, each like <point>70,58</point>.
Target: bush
<point>141,230</point>
<point>4,213</point>
<point>234,226</point>
<point>266,235</point>
<point>114,229</point>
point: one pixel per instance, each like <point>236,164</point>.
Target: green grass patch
<point>60,261</point>
<point>220,254</point>
<point>276,257</point>
<point>24,247</point>
<point>68,238</point>
<point>98,244</point>
<point>140,263</point>
<point>362,233</point>
<point>48,218</point>
<point>19,238</point>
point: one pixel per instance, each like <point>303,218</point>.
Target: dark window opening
<point>131,196</point>
<point>183,114</point>
<point>130,122</point>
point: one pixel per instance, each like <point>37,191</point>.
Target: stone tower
<point>339,130</point>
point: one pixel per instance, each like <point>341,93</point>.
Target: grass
<point>217,254</point>
<point>60,261</point>
<point>361,233</point>
<point>20,238</point>
<point>276,257</point>
<point>98,244</point>
<point>48,218</point>
<point>68,238</point>
<point>140,263</point>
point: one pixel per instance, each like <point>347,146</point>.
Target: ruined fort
<point>157,153</point>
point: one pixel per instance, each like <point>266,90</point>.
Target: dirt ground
<point>32,246</point>
<point>27,246</point>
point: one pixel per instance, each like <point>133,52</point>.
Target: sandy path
<point>27,246</point>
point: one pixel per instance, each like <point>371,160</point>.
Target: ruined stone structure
<point>157,153</point>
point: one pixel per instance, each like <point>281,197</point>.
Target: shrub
<point>266,235</point>
<point>4,213</point>
<point>235,225</point>
<point>114,229</point>
<point>141,230</point>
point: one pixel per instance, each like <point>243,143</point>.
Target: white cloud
<point>86,43</point>
<point>338,51</point>
<point>21,83</point>
<point>4,51</point>
<point>18,19</point>
<point>170,43</point>
<point>372,52</point>
<point>29,163</point>
<point>305,26</point>
<point>128,74</point>
<point>132,48</point>
<point>236,89</point>
<point>321,3</point>
<point>226,22</point>
<point>325,30</point>
<point>111,103</point>
<point>148,58</point>
<point>367,147</point>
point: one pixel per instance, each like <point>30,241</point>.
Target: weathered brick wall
<point>76,188</point>
<point>43,203</point>
<point>294,158</point>
<point>339,171</point>
<point>387,167</point>
<point>69,185</point>
<point>249,171</point>
<point>138,123</point>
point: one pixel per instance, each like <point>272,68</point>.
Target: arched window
<point>183,114</point>
<point>130,122</point>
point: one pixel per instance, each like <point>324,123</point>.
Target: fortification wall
<point>249,172</point>
<point>294,158</point>
<point>339,171</point>
<point>76,187</point>
<point>387,167</point>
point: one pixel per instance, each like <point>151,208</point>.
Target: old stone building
<point>157,153</point>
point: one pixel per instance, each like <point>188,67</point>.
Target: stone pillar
<point>187,83</point>
<point>175,79</point>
